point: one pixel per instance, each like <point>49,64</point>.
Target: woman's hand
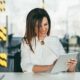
<point>71,65</point>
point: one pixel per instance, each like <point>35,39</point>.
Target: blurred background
<point>65,22</point>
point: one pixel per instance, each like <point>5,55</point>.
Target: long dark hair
<point>35,15</point>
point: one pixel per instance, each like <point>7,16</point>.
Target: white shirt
<point>43,54</point>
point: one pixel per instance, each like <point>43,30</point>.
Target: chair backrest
<point>17,61</point>
<point>14,52</point>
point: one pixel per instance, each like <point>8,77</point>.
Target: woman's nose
<point>44,28</point>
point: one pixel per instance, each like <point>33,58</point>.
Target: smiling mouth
<point>43,32</point>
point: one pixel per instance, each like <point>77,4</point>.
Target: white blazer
<point>43,54</point>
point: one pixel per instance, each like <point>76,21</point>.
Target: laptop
<point>61,63</point>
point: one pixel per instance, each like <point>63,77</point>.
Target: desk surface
<point>40,76</point>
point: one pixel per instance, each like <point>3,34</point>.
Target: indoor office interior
<point>65,24</point>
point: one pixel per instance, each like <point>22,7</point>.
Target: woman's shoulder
<point>24,43</point>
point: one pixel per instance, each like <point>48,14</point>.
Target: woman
<point>39,52</point>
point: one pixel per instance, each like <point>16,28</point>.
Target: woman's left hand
<point>71,65</point>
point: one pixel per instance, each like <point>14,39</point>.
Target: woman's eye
<point>45,24</point>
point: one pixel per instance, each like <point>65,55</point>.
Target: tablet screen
<point>61,63</point>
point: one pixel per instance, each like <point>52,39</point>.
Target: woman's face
<point>42,33</point>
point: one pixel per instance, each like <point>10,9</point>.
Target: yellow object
<point>2,5</point>
<point>3,34</point>
<point>3,29</point>
<point>3,59</point>
<point>3,55</point>
<point>3,63</point>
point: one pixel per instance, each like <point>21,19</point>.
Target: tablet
<point>61,63</point>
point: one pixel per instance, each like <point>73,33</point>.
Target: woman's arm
<point>42,68</point>
<point>26,64</point>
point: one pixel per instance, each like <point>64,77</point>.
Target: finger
<point>72,61</point>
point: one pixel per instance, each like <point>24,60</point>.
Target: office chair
<point>17,61</point>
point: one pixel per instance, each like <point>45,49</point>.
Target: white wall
<point>58,10</point>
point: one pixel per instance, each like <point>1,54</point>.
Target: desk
<point>41,76</point>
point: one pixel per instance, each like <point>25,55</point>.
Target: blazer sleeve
<point>26,64</point>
